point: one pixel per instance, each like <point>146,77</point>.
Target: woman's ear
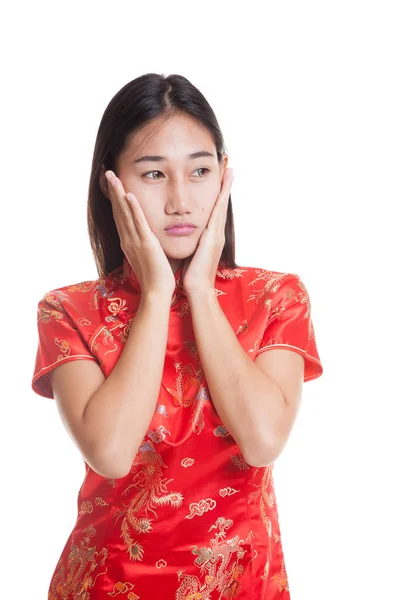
<point>103,182</point>
<point>224,165</point>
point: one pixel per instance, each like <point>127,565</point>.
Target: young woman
<point>160,368</point>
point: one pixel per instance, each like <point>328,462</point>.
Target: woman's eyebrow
<point>161,158</point>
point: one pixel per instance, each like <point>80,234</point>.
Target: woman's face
<point>173,187</point>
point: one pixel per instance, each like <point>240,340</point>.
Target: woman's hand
<point>199,271</point>
<point>139,244</point>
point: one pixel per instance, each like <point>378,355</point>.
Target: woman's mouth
<point>183,230</point>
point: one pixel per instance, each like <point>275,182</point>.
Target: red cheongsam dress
<point>192,520</point>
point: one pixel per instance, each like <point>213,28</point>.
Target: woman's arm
<point>249,402</point>
<point>118,414</point>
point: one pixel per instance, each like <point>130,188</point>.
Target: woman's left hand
<point>199,270</point>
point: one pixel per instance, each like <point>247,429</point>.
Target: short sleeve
<point>290,324</point>
<point>59,342</point>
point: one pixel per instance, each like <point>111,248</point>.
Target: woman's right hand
<point>139,244</point>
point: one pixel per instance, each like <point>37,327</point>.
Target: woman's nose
<point>178,197</point>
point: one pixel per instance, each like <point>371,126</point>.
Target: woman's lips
<point>180,230</point>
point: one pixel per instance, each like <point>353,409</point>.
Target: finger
<point>130,207</point>
<point>218,214</point>
<point>122,210</point>
<point>227,182</point>
<point>141,224</point>
<point>223,196</point>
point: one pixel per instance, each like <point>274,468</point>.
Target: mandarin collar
<point>130,275</point>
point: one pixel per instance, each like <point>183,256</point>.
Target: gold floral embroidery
<point>281,578</point>
<point>123,588</point>
<point>197,418</point>
<point>101,292</point>
<point>119,313</point>
<point>272,284</point>
<point>256,345</point>
<point>266,494</point>
<point>199,508</point>
<point>230,273</point>
<point>221,431</point>
<point>161,409</point>
<point>150,491</point>
<point>187,462</point>
<point>266,499</point>
<point>161,564</point>
<point>124,331</point>
<point>84,286</point>
<point>85,508</point>
<point>304,298</point>
<point>228,491</point>
<point>243,328</point>
<point>184,308</point>
<point>106,340</point>
<point>219,566</point>
<point>116,305</point>
<point>191,347</point>
<point>46,314</point>
<point>190,391</point>
<point>64,347</point>
<point>159,435</point>
<point>239,461</point>
<point>101,502</point>
<point>83,322</point>
<point>83,561</point>
<point>188,383</point>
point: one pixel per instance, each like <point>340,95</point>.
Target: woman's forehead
<point>177,134</point>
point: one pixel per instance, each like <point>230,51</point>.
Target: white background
<point>307,96</point>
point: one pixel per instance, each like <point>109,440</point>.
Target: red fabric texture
<point>191,520</point>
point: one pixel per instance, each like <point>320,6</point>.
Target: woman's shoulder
<point>81,298</point>
<point>253,274</point>
<point>83,290</point>
<point>74,293</point>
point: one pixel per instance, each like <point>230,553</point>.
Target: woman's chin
<point>179,250</point>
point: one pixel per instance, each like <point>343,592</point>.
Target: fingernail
<point>111,177</point>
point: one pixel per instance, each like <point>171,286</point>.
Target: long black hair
<point>136,104</point>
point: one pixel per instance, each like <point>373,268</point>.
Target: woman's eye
<point>203,169</point>
<point>149,173</point>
